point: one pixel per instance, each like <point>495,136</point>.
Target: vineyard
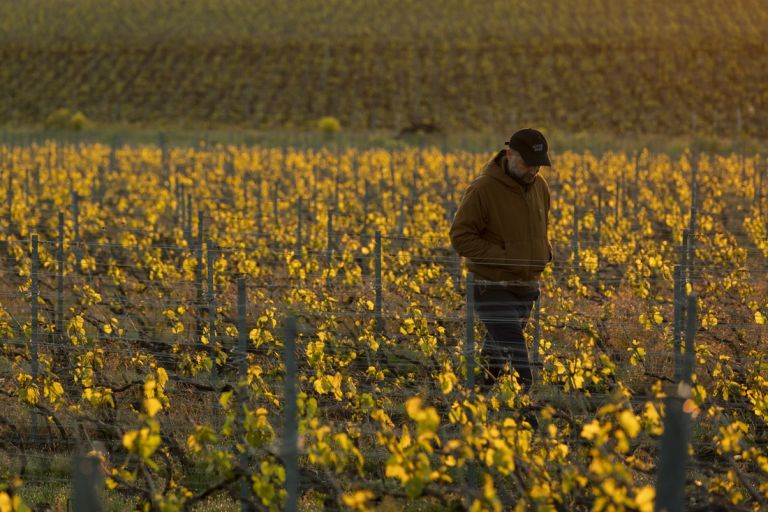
<point>282,327</point>
<point>629,67</point>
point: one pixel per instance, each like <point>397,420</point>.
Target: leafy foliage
<point>146,364</point>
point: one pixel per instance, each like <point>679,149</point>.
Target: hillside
<point>622,67</point>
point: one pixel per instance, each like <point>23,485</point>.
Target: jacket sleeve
<point>467,228</point>
<point>549,242</point>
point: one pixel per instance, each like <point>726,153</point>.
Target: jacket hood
<point>494,170</point>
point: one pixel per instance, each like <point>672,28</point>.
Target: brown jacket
<point>501,227</point>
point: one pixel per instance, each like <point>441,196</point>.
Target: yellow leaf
<point>413,407</point>
<point>591,430</point>
<point>129,438</point>
<point>446,381</point>
<point>153,406</point>
<point>149,388</point>
<point>356,500</point>
<point>395,470</point>
<point>162,377</point>
<point>5,502</point>
<point>645,498</point>
<point>224,399</point>
<point>32,395</point>
<point>629,422</point>
<point>759,318</point>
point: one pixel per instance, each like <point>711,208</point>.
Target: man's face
<point>519,169</point>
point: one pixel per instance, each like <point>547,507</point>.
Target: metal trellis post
<point>377,285</point>
<point>469,358</point>
<point>290,434</point>
<point>87,480</point>
<point>242,353</point>
<point>211,309</point>
<point>536,337</point>
<point>60,277</point>
<point>35,325</point>
<point>76,220</point>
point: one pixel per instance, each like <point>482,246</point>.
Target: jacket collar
<point>493,168</point>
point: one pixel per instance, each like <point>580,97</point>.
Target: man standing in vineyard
<point>501,228</point>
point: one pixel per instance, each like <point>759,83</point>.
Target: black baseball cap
<point>531,145</point>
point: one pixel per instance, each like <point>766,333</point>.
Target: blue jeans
<point>505,311</point>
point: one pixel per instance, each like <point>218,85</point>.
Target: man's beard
<point>508,170</point>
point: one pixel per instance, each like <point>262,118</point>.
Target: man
<point>501,228</point>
